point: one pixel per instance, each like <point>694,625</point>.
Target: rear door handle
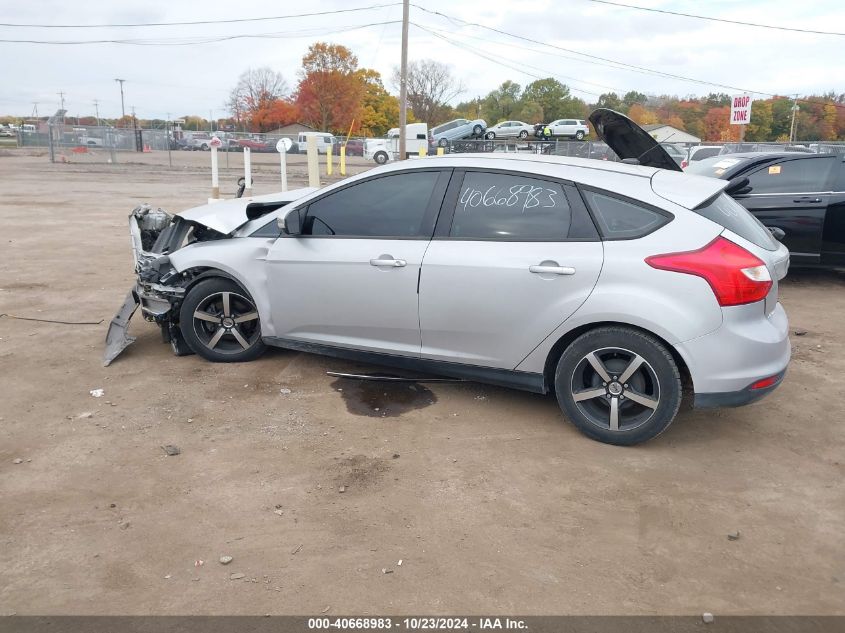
<point>551,270</point>
<point>388,263</point>
<point>807,199</point>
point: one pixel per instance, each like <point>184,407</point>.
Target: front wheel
<point>219,321</point>
<point>443,142</point>
<point>477,130</point>
<point>618,385</point>
<point>380,158</point>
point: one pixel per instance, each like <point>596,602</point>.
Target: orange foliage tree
<point>274,114</point>
<point>330,91</point>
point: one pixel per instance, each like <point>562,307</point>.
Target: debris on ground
<point>800,332</point>
<point>385,570</point>
<point>395,455</point>
<point>85,416</point>
<point>326,610</point>
<point>342,489</point>
<point>399,564</point>
<point>199,563</point>
<point>280,512</point>
<point>237,576</point>
<point>17,460</point>
<point>733,536</point>
<point>225,560</point>
<point>97,393</point>
<point>171,450</point>
<point>707,618</point>
<point>298,547</point>
<point>284,391</point>
<point>168,577</point>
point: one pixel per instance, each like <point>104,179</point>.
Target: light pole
<point>122,107</point>
<point>792,125</point>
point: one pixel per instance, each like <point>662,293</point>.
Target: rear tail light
<point>684,164</point>
<point>736,276</point>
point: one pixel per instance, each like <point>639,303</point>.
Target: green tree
<point>554,98</point>
<point>781,117</point>
<point>611,100</point>
<point>529,112</point>
<point>760,126</point>
<point>633,97</point>
<point>501,103</point>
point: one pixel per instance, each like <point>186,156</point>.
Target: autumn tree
<point>380,109</point>
<point>641,115</point>
<point>430,86</point>
<point>759,128</point>
<point>330,91</point>
<point>256,90</point>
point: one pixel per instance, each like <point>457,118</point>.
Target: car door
<point>833,240</point>
<point>350,279</point>
<point>793,194</point>
<point>514,255</point>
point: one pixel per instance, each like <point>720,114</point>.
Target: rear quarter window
<point>622,219</point>
<point>714,167</point>
<point>727,212</point>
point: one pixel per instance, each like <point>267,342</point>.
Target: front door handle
<point>807,199</point>
<point>387,262</point>
<point>551,269</point>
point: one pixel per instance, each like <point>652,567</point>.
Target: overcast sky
<point>195,78</point>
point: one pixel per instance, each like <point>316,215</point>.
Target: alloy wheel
<point>226,322</point>
<point>615,389</point>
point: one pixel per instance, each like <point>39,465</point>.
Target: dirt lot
<point>491,500</point>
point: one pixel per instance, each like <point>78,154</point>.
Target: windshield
<point>713,167</point>
<point>733,216</point>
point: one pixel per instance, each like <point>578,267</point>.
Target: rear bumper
<point>748,346</point>
<point>734,398</point>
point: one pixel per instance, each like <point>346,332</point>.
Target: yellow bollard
<point>423,151</point>
<point>329,160</point>
<point>440,151</point>
<point>343,160</point>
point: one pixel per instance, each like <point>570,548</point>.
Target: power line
<point>704,17</point>
<point>589,58</point>
<point>190,41</point>
<point>227,21</point>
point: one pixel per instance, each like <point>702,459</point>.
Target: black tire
<point>490,136</point>
<point>380,158</point>
<point>222,334</point>
<point>443,142</point>
<point>646,400</point>
<point>579,135</point>
<point>477,130</point>
<point>523,134</point>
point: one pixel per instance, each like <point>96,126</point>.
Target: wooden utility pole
<point>403,82</point>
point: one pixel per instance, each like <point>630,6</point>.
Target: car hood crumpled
<point>227,216</point>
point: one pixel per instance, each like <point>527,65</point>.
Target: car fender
<point>241,259</point>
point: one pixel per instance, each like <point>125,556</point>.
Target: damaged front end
<point>159,288</point>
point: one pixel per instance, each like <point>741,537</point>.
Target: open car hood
<point>629,140</point>
<point>228,216</point>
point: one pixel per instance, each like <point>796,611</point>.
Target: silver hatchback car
<point>615,286</point>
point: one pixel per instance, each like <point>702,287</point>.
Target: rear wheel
<point>219,322</point>
<point>490,135</point>
<point>443,142</point>
<point>579,135</point>
<point>618,385</point>
<point>477,130</point>
<point>523,134</point>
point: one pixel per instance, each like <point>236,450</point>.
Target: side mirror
<point>290,224</point>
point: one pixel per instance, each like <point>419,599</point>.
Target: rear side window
<point>733,216</point>
<point>793,176</point>
<point>705,152</point>
<point>623,219</point>
<point>511,207</point>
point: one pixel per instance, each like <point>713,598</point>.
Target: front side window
<point>391,206</point>
<point>510,207</point>
<point>793,176</point>
<point>623,219</point>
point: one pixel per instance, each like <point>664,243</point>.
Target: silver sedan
<point>510,129</point>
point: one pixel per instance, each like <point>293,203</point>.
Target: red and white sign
<point>215,142</point>
<point>741,109</point>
